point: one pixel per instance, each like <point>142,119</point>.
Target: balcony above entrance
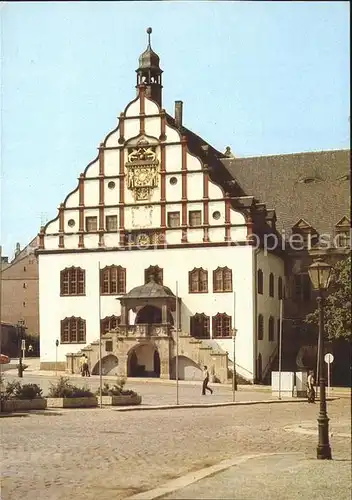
<point>144,331</point>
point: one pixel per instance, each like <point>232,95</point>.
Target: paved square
<point>103,453</point>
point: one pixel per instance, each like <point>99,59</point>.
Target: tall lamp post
<point>20,328</point>
<point>319,273</point>
<point>234,377</point>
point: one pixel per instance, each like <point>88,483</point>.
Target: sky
<point>264,78</point>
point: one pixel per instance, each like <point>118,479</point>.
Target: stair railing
<point>269,363</point>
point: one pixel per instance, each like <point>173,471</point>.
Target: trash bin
<point>301,384</point>
<point>283,387</point>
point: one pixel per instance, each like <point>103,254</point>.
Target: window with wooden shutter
<point>260,327</point>
<point>200,326</point>
<point>260,281</point>
<point>198,280</point>
<point>271,327</point>
<point>91,224</point>
<point>173,219</point>
<point>271,285</point>
<point>222,325</point>
<point>195,218</point>
<point>111,223</point>
<point>73,331</point>
<point>112,280</point>
<point>280,288</point>
<point>72,281</point>
<point>222,280</point>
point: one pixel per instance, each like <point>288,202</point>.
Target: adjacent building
<point>19,288</point>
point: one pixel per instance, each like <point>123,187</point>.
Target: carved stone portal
<point>142,170</point>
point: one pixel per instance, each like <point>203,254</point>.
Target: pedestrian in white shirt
<point>206,381</point>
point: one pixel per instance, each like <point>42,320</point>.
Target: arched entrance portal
<point>143,361</point>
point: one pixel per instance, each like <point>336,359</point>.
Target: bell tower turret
<point>149,72</point>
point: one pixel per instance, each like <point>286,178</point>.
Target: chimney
<point>18,249</point>
<point>178,113</point>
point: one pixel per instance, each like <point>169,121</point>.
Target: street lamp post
<point>234,377</point>
<point>319,273</point>
<point>20,327</point>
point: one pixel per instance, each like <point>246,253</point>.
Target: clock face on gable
<point>143,239</point>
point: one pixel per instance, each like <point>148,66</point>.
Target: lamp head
<point>319,273</point>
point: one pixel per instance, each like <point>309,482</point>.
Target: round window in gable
<point>216,215</point>
<point>111,185</point>
<point>71,223</point>
<point>173,181</point>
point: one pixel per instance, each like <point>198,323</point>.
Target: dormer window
<point>343,240</point>
<point>343,233</point>
<point>304,233</point>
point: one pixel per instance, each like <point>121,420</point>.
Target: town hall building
<point>161,250</point>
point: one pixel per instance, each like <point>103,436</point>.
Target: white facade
<point>139,200</point>
<point>176,264</point>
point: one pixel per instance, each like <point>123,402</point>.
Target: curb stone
<point>209,405</point>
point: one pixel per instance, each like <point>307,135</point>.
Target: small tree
<point>337,310</point>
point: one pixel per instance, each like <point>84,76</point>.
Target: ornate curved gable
<point>149,169</point>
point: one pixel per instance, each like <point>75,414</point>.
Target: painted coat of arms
<point>142,170</point>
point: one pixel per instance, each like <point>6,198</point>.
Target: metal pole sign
<point>234,350</point>
<point>100,344</point>
<point>177,327</point>
<point>329,358</point>
<point>56,346</point>
<point>23,347</point>
<point>280,349</point>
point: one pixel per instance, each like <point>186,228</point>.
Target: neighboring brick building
<point>19,288</point>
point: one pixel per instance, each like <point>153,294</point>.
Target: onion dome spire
<point>149,72</point>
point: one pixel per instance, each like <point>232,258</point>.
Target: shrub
<point>64,389</point>
<point>116,389</point>
<point>29,391</point>
<point>10,390</point>
<point>14,390</point>
<point>81,392</point>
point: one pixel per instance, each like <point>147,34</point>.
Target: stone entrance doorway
<point>143,361</point>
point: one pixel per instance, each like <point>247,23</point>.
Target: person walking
<point>86,372</point>
<point>310,387</point>
<point>206,381</point>
<point>82,361</point>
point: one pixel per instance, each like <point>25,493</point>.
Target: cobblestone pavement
<point>102,453</point>
<point>277,477</point>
